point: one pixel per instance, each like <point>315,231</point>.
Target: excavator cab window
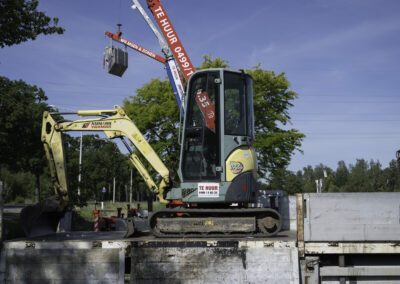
<point>238,105</point>
<point>201,145</point>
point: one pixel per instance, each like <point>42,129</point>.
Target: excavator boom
<point>44,217</point>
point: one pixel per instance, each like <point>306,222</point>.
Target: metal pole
<point>161,40</point>
<point>80,167</point>
<point>130,188</point>
<point>114,190</point>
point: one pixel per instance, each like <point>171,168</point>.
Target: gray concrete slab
<point>215,261</point>
<point>352,217</point>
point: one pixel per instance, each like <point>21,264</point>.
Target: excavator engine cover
<point>117,60</point>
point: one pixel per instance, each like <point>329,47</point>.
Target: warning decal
<point>208,190</point>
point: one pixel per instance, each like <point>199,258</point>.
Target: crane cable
<point>119,33</point>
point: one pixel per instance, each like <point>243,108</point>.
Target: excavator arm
<point>115,124</point>
<point>38,219</point>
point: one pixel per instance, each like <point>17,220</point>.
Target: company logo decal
<point>97,124</point>
<point>236,167</point>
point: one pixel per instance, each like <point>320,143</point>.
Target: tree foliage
<point>21,110</point>
<point>155,112</point>
<point>212,63</point>
<point>20,21</point>
<point>102,161</point>
<point>272,100</point>
<point>23,165</point>
<point>362,176</point>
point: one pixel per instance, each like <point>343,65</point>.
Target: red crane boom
<point>136,47</point>
<point>172,38</point>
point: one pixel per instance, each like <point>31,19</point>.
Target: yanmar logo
<point>236,167</point>
<point>97,124</point>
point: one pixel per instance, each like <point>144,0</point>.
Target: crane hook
<point>119,33</point>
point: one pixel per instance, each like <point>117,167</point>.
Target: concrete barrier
<point>215,261</point>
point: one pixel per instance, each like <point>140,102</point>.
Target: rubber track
<point>243,212</point>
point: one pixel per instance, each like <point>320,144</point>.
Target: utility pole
<point>114,190</point>
<point>130,188</point>
<point>318,183</point>
<point>80,167</point>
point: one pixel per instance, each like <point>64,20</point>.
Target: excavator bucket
<point>42,218</point>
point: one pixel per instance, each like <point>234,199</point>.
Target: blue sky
<point>341,56</point>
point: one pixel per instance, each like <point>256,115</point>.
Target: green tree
<point>375,176</point>
<point>18,186</point>
<point>156,114</point>
<point>294,183</point>
<point>272,100</point>
<point>21,110</point>
<point>358,178</point>
<point>342,174</point>
<point>391,176</point>
<point>21,21</point>
<point>102,162</point>
<point>212,63</point>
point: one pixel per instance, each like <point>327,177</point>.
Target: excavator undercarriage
<point>238,222</point>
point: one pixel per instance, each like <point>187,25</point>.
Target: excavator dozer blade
<point>42,218</point>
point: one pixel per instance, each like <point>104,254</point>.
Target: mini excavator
<point>218,168</point>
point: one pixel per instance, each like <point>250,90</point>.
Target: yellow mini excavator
<point>218,167</point>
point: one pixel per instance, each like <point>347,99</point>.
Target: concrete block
<point>352,217</point>
<point>35,265</point>
<point>217,264</point>
<point>287,209</point>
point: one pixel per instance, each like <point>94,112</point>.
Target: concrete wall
<point>214,262</point>
<point>287,208</point>
<point>152,261</point>
<point>62,262</point>
<point>352,217</point>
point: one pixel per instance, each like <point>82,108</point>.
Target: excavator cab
<point>218,163</point>
<point>218,167</point>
